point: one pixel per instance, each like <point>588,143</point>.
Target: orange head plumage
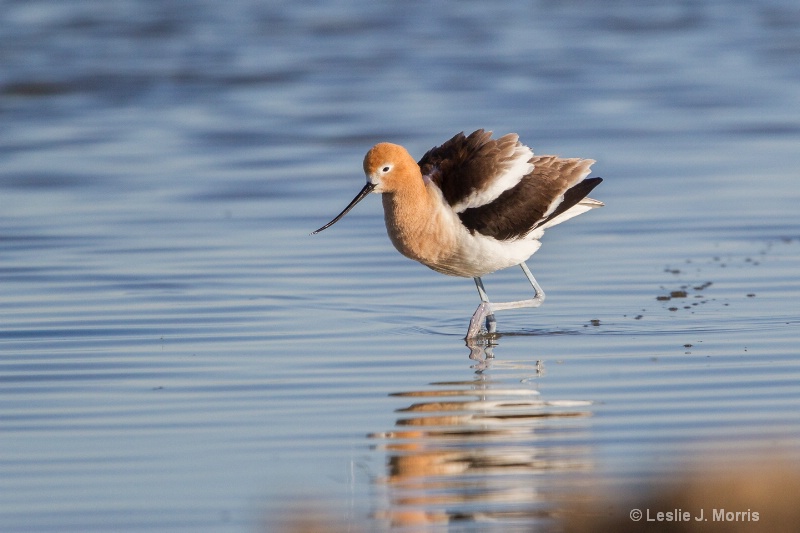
<point>388,168</point>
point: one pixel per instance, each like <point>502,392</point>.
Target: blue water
<point>178,354</point>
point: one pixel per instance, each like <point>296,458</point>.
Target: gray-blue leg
<point>485,311</point>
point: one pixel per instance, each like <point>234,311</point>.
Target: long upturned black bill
<point>360,196</point>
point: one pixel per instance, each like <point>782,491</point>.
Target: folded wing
<point>500,189</point>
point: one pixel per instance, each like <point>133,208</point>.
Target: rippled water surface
<point>178,354</point>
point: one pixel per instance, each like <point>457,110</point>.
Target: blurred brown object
<point>766,498</point>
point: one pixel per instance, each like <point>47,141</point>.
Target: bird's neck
<point>414,221</point>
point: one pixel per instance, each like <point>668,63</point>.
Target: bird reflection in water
<point>489,450</point>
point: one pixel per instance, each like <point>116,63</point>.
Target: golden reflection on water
<point>485,449</point>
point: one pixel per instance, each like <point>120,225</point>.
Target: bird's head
<point>387,167</point>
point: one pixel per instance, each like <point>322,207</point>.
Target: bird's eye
<point>387,168</point>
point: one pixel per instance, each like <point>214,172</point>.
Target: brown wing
<point>471,170</point>
<point>552,188</point>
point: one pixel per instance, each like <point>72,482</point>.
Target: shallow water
<point>178,354</point>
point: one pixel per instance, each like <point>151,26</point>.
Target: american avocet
<point>475,205</point>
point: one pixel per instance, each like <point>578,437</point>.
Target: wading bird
<point>475,205</point>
